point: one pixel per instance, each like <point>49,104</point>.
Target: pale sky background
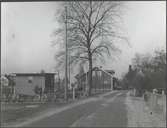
<point>26,29</point>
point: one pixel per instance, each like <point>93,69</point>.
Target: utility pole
<point>58,79</point>
<point>66,57</point>
<point>102,41</point>
<point>69,70</point>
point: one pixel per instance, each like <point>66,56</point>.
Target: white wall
<point>24,87</point>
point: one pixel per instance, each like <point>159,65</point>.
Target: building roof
<point>109,72</point>
<point>33,74</point>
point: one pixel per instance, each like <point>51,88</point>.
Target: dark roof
<point>33,74</point>
<point>80,75</point>
<point>95,69</point>
<point>110,71</point>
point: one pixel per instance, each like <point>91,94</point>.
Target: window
<point>93,73</point>
<point>105,82</point>
<point>99,73</point>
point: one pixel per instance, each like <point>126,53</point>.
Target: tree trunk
<point>90,75</point>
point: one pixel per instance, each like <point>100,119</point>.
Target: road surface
<point>112,109</point>
<point>101,111</point>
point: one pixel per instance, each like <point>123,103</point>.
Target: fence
<point>156,102</point>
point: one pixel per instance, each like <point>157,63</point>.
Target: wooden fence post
<point>164,104</point>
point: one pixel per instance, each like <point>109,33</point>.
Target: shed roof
<point>34,74</point>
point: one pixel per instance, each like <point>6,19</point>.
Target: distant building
<point>101,79</point>
<point>25,83</point>
<point>4,80</point>
<point>7,86</point>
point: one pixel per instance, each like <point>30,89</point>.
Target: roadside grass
<point>15,112</point>
<point>18,112</point>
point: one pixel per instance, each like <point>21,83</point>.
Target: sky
<point>26,29</point>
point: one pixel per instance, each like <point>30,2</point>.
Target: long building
<point>101,79</point>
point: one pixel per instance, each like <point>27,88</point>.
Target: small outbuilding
<point>25,83</point>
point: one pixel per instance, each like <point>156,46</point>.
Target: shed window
<point>30,79</point>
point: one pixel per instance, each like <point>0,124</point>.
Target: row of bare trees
<point>92,30</point>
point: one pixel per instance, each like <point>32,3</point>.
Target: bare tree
<point>92,32</point>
